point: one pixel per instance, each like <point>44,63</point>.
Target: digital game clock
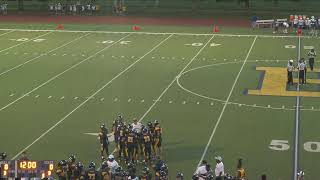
<point>26,169</point>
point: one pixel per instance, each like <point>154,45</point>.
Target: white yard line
<point>6,32</point>
<point>94,94</point>
<point>58,75</point>
<point>297,123</point>
<point>227,102</point>
<point>179,74</point>
<point>26,41</point>
<point>157,33</point>
<point>26,62</point>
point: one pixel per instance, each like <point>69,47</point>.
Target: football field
<point>214,94</point>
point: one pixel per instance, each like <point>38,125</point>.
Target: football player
<point>71,166</point>
<point>131,145</point>
<point>241,174</point>
<point>146,174</point>
<point>79,173</point>
<point>123,145</point>
<point>157,138</point>
<point>105,171</point>
<point>179,176</point>
<point>147,143</point>
<point>91,173</point>
<point>61,170</point>
<point>104,141</point>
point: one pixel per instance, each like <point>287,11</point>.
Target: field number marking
<point>198,44</point>
<point>111,41</point>
<point>27,39</point>
<point>283,145</point>
<point>294,46</point>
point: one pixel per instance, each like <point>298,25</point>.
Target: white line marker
<point>175,78</point>
<point>269,106</point>
<point>101,99</point>
<point>129,100</point>
<point>25,42</point>
<point>184,102</point>
<point>11,95</point>
<point>155,33</point>
<point>64,54</point>
<point>58,75</point>
<point>227,101</point>
<point>76,97</point>
<point>85,101</point>
<point>142,101</point>
<point>20,65</point>
<point>62,97</point>
<point>115,99</point>
<point>170,102</point>
<point>198,102</point>
<point>36,96</point>
<point>49,97</point>
<point>282,106</point>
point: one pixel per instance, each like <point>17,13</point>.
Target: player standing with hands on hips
<point>312,54</point>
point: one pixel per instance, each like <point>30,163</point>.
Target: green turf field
<point>57,86</point>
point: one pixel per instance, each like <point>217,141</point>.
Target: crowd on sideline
<point>295,22</point>
<point>74,9</point>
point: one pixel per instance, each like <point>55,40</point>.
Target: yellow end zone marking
<point>275,84</point>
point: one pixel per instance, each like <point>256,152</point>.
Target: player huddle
<point>136,141</point>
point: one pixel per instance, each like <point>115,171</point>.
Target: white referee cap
<point>291,60</point>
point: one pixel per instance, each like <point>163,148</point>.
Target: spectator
<point>219,170</point>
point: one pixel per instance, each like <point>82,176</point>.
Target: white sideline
<point>26,41</point>
<point>26,62</point>
<point>58,75</point>
<point>158,33</point>
<point>227,102</point>
<point>95,93</point>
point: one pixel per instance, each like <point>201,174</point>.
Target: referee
<point>302,71</point>
<point>312,54</point>
<point>290,69</point>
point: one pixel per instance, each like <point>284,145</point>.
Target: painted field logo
<point>275,83</point>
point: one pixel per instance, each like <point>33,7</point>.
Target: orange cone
<point>136,28</point>
<point>215,29</point>
<point>60,27</point>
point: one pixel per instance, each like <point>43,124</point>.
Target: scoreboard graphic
<point>26,169</point>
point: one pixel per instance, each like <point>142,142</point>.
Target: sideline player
<point>241,174</point>
<point>104,141</point>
